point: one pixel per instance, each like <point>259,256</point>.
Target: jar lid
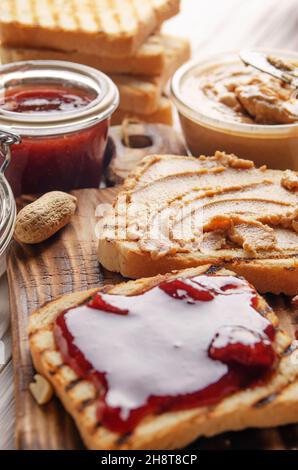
<point>102,92</point>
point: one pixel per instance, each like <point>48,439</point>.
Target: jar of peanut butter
<point>225,105</point>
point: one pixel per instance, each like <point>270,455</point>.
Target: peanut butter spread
<point>220,205</point>
<point>242,94</point>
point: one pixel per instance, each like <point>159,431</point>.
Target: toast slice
<point>141,94</point>
<point>101,27</point>
<point>150,59</point>
<point>270,403</point>
<point>177,212</point>
<point>163,114</point>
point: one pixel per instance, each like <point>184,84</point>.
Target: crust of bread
<point>150,59</point>
<point>144,93</point>
<point>96,30</point>
<point>163,114</point>
<point>266,405</point>
<point>267,275</point>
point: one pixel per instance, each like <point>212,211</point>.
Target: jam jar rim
<point>199,117</point>
<point>103,106</point>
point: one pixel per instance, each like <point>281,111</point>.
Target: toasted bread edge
<point>277,276</point>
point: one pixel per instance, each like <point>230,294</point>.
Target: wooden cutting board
<point>65,263</point>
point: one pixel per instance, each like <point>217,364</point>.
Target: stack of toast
<point>122,39</point>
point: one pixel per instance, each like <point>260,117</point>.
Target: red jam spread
<point>182,344</point>
<point>69,160</point>
<point>45,100</point>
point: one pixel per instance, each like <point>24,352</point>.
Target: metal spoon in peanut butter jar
<point>268,100</point>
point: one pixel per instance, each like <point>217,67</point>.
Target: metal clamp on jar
<point>7,202</point>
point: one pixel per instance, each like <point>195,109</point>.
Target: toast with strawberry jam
<point>158,362</point>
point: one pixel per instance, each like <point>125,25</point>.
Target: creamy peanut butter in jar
<point>225,105</point>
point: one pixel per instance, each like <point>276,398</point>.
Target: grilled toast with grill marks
<point>101,27</point>
<point>265,405</point>
<point>177,212</point>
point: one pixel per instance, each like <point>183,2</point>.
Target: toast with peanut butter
<point>100,27</point>
<point>262,376</point>
<point>176,212</point>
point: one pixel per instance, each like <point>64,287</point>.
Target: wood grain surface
<point>68,262</point>
<point>36,275</point>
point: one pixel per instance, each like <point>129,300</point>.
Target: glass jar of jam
<point>61,111</point>
<point>7,202</point>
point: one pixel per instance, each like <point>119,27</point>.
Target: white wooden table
<point>213,26</point>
